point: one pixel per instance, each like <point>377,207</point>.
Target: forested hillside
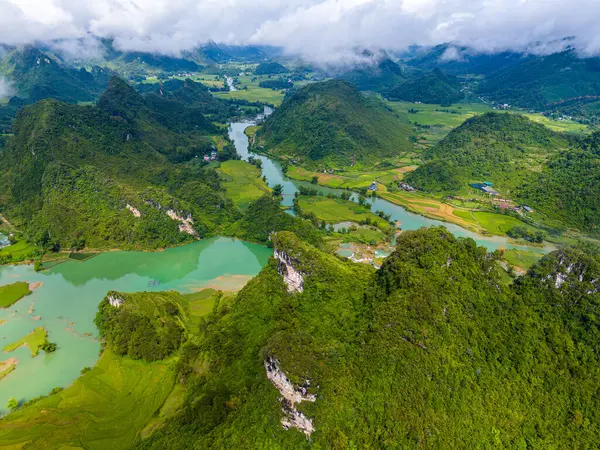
<point>409,355</point>
<point>380,77</point>
<point>37,75</point>
<point>539,81</point>
<point>126,173</point>
<point>553,173</point>
<point>331,123</point>
<point>433,87</point>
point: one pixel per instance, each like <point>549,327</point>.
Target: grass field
<point>33,341</point>
<point>440,120</point>
<point>242,182</point>
<point>520,258</point>
<point>12,293</point>
<point>433,122</point>
<point>349,180</point>
<point>334,210</point>
<point>254,95</point>
<point>567,126</point>
<point>19,251</point>
<point>497,223</point>
<point>106,408</point>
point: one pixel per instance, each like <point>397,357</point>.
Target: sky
<point>318,30</point>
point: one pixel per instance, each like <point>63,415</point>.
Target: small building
<point>213,155</point>
<point>206,158</point>
<point>488,183</point>
<point>527,209</point>
<point>407,187</point>
<point>373,186</point>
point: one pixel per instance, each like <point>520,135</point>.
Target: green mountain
<point>270,68</point>
<point>553,173</point>
<point>434,87</point>
<point>410,355</point>
<point>380,77</point>
<point>566,189</point>
<point>537,82</point>
<point>126,173</point>
<point>37,75</point>
<point>458,60</point>
<point>330,123</point>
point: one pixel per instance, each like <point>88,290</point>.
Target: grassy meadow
<point>12,293</point>
<point>108,406</point>
<point>113,405</point>
<point>33,341</point>
<point>335,210</point>
<point>242,182</point>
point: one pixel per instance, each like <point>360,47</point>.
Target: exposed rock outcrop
<point>186,224</point>
<point>292,277</point>
<point>115,299</point>
<point>136,212</point>
<point>290,396</point>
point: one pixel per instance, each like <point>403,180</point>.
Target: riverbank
<point>66,303</point>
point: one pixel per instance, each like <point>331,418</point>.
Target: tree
<point>13,404</point>
<point>315,179</point>
<point>277,190</point>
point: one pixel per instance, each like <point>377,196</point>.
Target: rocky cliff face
<point>291,276</point>
<point>290,396</point>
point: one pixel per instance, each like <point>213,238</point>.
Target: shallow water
<point>408,221</point>
<point>67,301</point>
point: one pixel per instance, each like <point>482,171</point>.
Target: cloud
<point>6,88</point>
<point>318,30</point>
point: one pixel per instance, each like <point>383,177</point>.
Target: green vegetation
<point>258,94</point>
<point>434,87</point>
<point>242,182</point>
<point>34,340</point>
<point>106,408</point>
<point>269,68</point>
<point>7,367</point>
<point>38,75</point>
<point>538,82</point>
<point>114,175</point>
<point>521,259</point>
<point>144,326</point>
<point>335,210</point>
<point>12,293</point>
<point>379,77</point>
<point>526,161</point>
<point>19,251</point>
<point>438,309</point>
<point>331,123</point>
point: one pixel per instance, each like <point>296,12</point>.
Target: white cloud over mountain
<point>323,30</point>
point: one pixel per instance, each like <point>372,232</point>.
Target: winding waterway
<point>66,302</point>
<point>408,221</point>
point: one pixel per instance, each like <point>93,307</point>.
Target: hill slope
<point>37,75</point>
<point>380,76</point>
<point>537,82</point>
<point>410,355</point>
<point>434,87</point>
<point>526,161</point>
<point>97,176</point>
<point>329,122</point>
<point>499,147</point>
